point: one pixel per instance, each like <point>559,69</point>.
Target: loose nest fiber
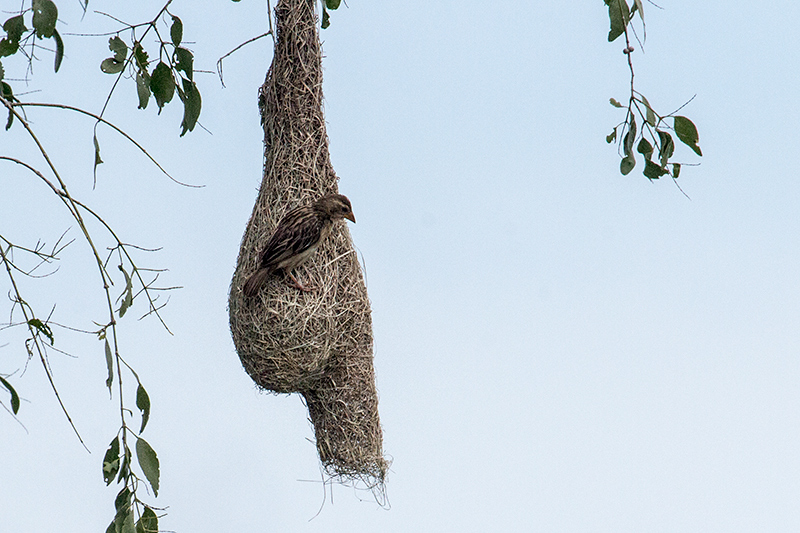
<point>319,343</point>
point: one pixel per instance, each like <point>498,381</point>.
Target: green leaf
<point>127,299</point>
<point>148,460</point>
<point>123,500</point>
<point>176,31</point>
<point>614,102</point>
<point>640,8</point>
<point>143,88</point>
<point>627,144</point>
<point>5,90</point>
<point>59,49</point>
<point>7,47</point>
<point>42,328</point>
<point>14,27</point>
<point>111,461</point>
<point>112,527</point>
<point>611,136</point>
<point>653,171</point>
<point>111,66</point>
<point>2,72</point>
<point>627,164</point>
<point>645,148</point>
<point>162,83</point>
<point>125,522</point>
<point>97,160</point>
<point>333,4</point>
<point>140,56</point>
<point>14,395</point>
<point>650,114</point>
<point>109,366</point>
<point>619,16</point>
<point>125,465</point>
<point>667,147</point>
<point>143,403</point>
<point>686,130</point>
<point>687,133</point>
<point>118,46</point>
<point>124,518</point>
<point>326,19</point>
<point>148,523</point>
<point>115,65</point>
<point>45,15</point>
<point>184,61</point>
<point>191,106</point>
<point>128,282</point>
<point>676,170</point>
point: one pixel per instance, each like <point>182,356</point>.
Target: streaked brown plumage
<point>296,238</point>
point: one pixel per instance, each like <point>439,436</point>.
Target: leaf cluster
<point>653,141</point>
<point>172,70</point>
<point>23,33</point>
<point>19,38</point>
<point>43,16</point>
<point>119,458</point>
<point>117,465</point>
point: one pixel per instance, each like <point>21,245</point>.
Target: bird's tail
<point>255,282</point>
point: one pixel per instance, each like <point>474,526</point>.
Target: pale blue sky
<point>558,347</point>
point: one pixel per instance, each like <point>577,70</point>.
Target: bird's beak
<point>350,216</point>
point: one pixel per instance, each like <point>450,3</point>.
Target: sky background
<point>557,347</point>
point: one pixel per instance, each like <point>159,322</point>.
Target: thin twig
<point>114,127</point>
<point>684,105</point>
<point>219,61</point>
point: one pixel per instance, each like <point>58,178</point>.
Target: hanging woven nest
<point>317,343</point>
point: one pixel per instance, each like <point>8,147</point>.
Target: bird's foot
<point>296,284</point>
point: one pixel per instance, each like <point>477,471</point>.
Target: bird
<point>296,237</point>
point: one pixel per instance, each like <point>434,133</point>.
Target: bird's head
<point>335,206</point>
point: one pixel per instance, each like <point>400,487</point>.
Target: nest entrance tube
<point>319,343</point>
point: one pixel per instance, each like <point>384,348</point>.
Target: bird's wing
<point>298,231</point>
